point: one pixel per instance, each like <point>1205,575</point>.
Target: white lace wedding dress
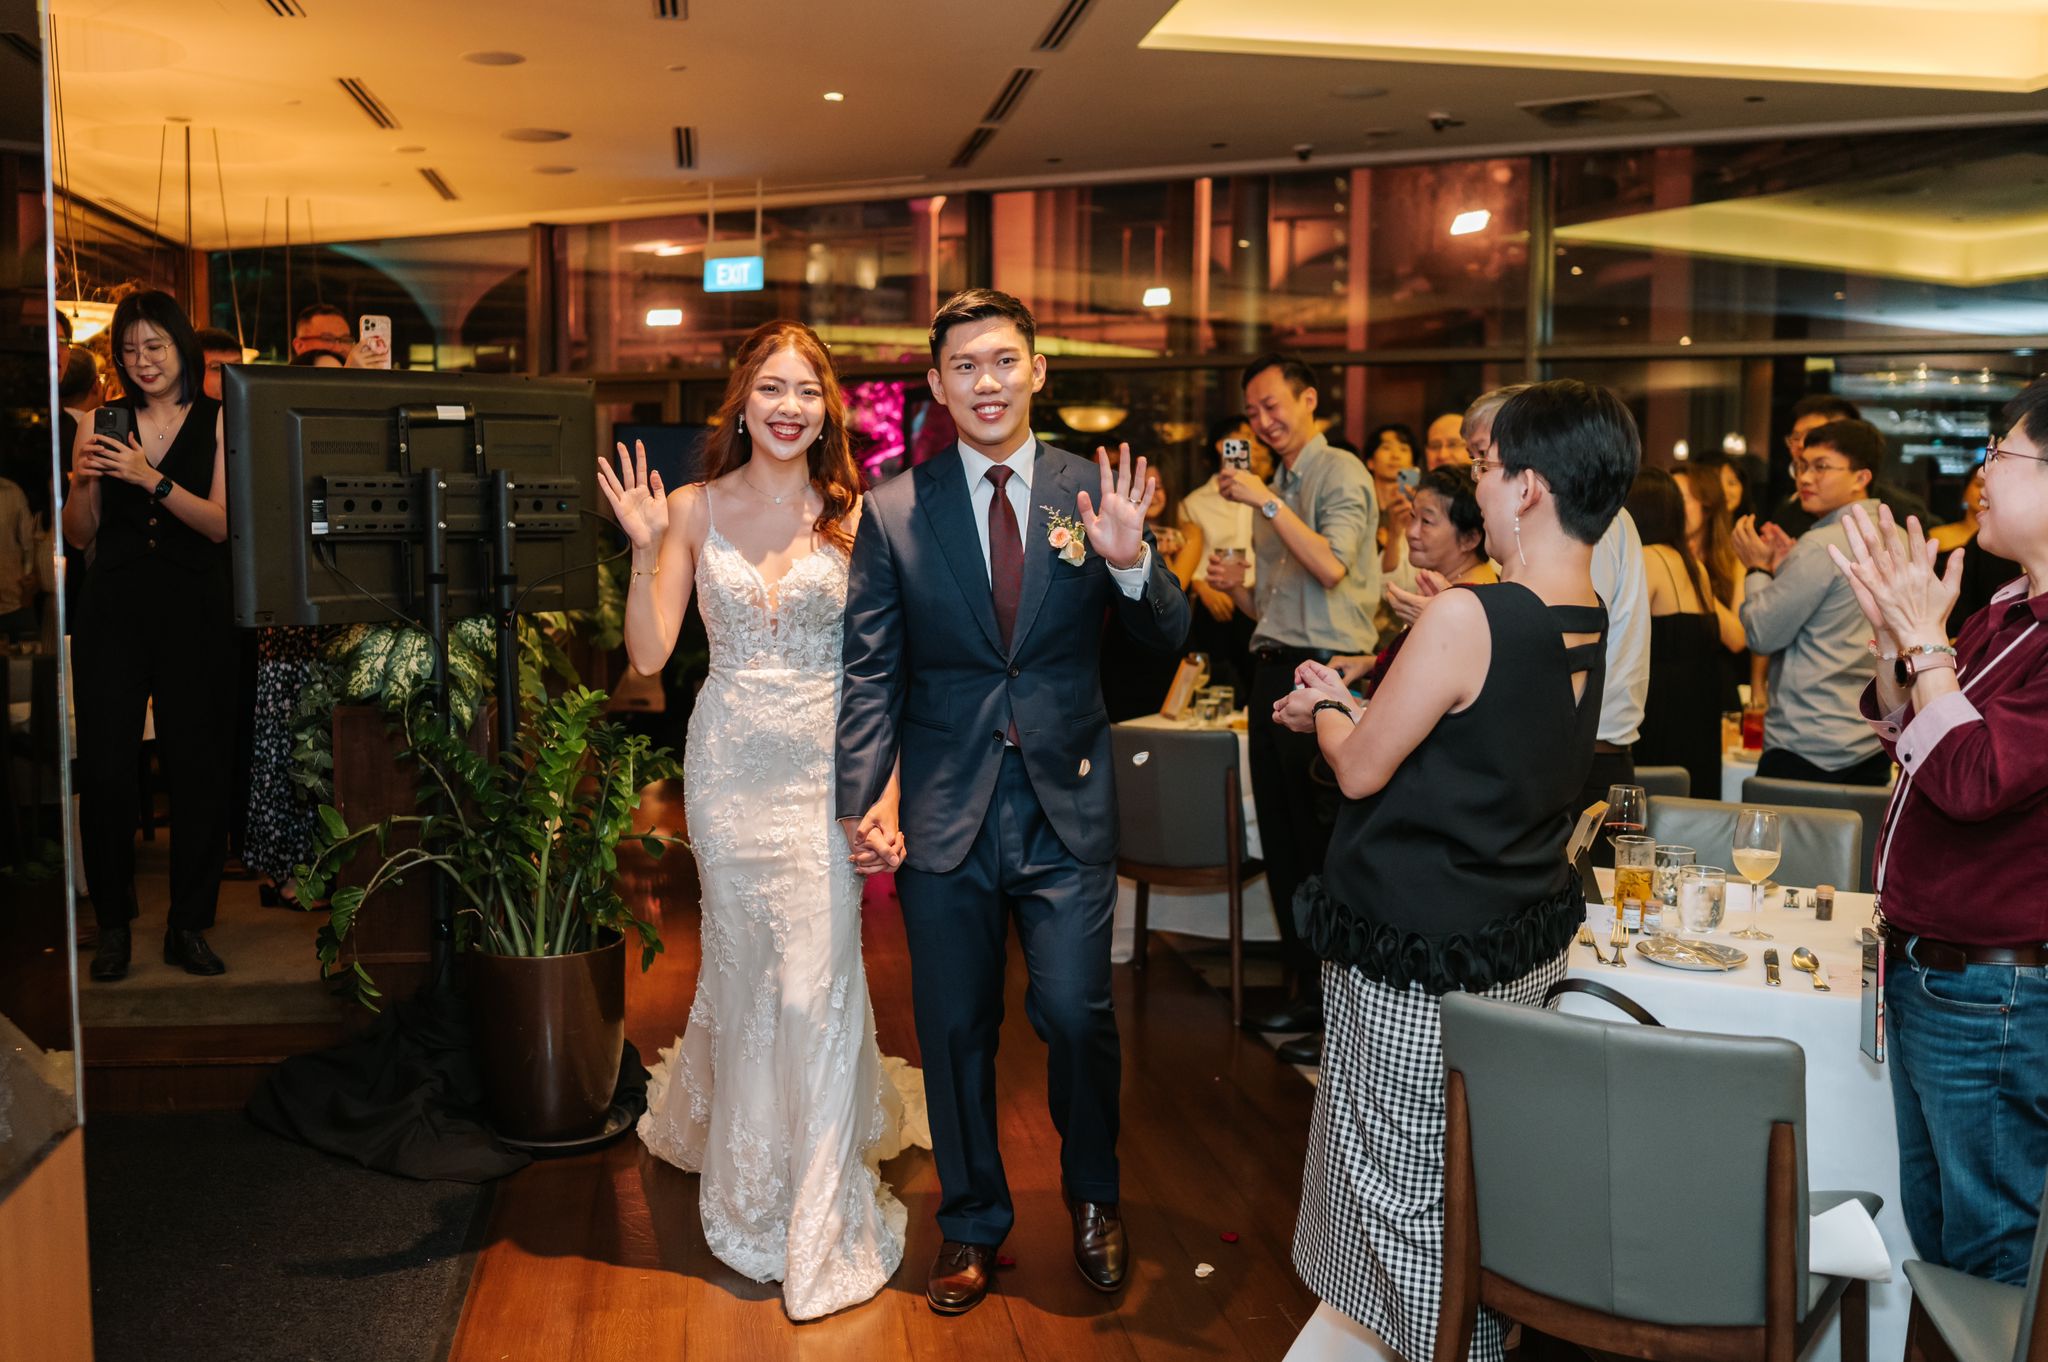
<point>776,1092</point>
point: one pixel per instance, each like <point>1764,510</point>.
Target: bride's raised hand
<point>639,501</point>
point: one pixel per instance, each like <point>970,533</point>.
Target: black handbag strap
<point>1614,998</point>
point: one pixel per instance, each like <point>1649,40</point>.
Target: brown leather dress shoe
<point>960,1277</point>
<point>1099,1247</point>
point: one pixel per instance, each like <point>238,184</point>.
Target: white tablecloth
<point>1851,1138</point>
<point>1737,765</point>
<point>1200,912</point>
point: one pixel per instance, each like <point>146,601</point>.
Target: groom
<point>973,624</point>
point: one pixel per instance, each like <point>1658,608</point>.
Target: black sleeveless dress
<point>1682,712</point>
<point>1452,877</point>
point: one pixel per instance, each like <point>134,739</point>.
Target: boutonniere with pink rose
<point>1067,537</point>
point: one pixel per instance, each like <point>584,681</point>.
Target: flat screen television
<point>317,524</point>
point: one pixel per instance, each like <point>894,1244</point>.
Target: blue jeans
<point>1969,1051</point>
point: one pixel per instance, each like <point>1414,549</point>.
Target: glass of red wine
<point>1628,811</point>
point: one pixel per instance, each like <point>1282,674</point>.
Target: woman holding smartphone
<point>148,499</point>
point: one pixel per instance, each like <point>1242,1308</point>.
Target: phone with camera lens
<point>373,325</point>
<point>118,422</point>
<point>1409,479</point>
<point>1237,454</point>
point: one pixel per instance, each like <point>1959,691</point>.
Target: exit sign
<point>735,274</point>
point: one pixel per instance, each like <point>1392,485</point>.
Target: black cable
<point>325,557</point>
<point>543,581</point>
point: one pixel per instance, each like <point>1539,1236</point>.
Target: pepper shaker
<point>1824,903</point>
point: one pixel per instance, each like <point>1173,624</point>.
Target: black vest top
<point>137,535</point>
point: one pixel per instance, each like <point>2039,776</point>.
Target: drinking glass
<point>1701,892</point>
<point>1226,700</point>
<point>1206,708</point>
<point>1759,842</point>
<point>1731,729</point>
<point>1670,860</point>
<point>1634,861</point>
<point>1627,811</point>
<point>1752,728</point>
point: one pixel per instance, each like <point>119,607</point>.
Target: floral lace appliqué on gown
<point>776,1093</point>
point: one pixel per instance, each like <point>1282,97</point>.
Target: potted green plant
<point>529,847</point>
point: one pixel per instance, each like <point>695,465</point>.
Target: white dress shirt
<point>1130,580</point>
<point>1619,579</point>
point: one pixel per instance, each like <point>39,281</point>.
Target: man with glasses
<point>1809,414</point>
<point>1799,609</point>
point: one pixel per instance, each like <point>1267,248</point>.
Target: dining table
<point>1851,1135</point>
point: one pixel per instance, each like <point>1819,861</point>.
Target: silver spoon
<point>1808,961</point>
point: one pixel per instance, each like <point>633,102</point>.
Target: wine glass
<point>1627,811</point>
<point>1759,842</point>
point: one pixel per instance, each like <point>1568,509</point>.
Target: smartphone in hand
<point>1237,454</point>
<point>369,324</point>
<point>114,421</point>
<point>1408,479</point>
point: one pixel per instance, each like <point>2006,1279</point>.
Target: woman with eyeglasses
<point>155,626</point>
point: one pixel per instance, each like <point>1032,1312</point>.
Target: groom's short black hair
<point>978,305</point>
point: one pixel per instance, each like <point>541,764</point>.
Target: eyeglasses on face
<point>1801,467</point>
<point>1481,466</point>
<point>1995,451</point>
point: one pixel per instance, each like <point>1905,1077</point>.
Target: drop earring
<point>1518,540</point>
<point>739,424</point>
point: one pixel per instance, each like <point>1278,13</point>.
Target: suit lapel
<point>949,511</point>
<point>1050,486</point>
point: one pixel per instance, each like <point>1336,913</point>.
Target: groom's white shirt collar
<point>1020,463</point>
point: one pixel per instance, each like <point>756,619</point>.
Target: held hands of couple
<point>639,501</point>
<point>874,843</point>
<point>1764,550</point>
<point>1117,530</point>
<point>1894,579</point>
<point>1314,683</point>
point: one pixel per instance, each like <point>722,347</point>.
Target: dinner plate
<point>1686,953</point>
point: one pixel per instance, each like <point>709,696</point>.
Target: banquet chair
<point>1180,823</point>
<point>1822,846</point>
<point>1960,1318</point>
<point>1570,1142</point>
<point>1664,780</point>
<point>1868,802</point>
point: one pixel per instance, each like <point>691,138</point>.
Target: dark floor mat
<point>215,1241</point>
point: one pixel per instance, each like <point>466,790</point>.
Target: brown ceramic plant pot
<point>549,1034</point>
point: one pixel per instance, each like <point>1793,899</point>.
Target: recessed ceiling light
<point>493,58</point>
<point>554,170</point>
<point>1244,243</point>
<point>534,135</point>
<point>1577,269</point>
<point>1158,297</point>
<point>834,97</point>
<point>1465,224</point>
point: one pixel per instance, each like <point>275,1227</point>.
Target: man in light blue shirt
<point>1802,612</point>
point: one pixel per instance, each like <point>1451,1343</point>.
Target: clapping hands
<point>1765,549</point>
<point>1894,579</point>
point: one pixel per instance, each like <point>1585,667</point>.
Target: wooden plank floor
<point>602,1256</point>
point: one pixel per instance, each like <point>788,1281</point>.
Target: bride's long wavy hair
<point>830,456</point>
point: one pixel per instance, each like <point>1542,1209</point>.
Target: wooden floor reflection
<point>603,1256</point>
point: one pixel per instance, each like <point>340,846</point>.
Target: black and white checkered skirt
<point>1370,1237</point>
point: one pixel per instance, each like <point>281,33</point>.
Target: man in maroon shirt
<point>1962,863</point>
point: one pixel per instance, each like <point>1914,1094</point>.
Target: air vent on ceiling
<point>1012,91</point>
<point>23,46</point>
<point>1631,106</point>
<point>671,9</point>
<point>686,148</point>
<point>433,177</point>
<point>285,9</point>
<point>1063,27</point>
<point>971,148</point>
<point>372,107</point>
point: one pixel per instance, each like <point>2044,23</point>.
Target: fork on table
<point>1586,940</point>
<point>1618,938</point>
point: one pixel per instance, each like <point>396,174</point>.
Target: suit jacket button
<point>999,735</point>
<point>1015,673</point>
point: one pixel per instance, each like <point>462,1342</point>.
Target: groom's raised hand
<point>1117,531</point>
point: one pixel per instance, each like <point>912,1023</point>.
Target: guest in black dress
<point>154,625</point>
<point>1447,870</point>
<point>1691,631</point>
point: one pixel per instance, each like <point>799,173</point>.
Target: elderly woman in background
<point>1447,869</point>
<point>1962,860</point>
<point>1446,546</point>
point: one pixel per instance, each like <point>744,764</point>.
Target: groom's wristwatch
<point>1271,509</point>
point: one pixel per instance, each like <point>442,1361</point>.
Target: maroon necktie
<point>1005,554</point>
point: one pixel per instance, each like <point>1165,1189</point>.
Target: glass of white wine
<point>1759,842</point>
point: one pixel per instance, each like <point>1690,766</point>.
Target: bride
<point>775,1092</point>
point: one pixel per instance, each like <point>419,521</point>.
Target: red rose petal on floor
<point>1230,1236</point>
<point>1005,1260</point>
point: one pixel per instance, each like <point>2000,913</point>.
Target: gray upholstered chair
<point>1180,823</point>
<point>1960,1318</point>
<point>1822,846</point>
<point>1664,780</point>
<point>1867,802</point>
<point>1632,1189</point>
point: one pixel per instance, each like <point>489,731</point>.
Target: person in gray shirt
<point>1315,537</point>
<point>1804,613</point>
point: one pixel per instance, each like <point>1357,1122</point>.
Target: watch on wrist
<point>1926,657</point>
<point>1337,705</point>
<point>1271,509</point>
<point>162,489</point>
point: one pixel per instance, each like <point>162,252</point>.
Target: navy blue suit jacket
<point>926,674</point>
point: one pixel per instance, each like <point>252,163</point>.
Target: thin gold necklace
<point>769,496</point>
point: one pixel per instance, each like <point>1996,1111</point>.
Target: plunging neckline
<point>768,592</point>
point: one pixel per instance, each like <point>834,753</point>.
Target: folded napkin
<point>1844,1242</point>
